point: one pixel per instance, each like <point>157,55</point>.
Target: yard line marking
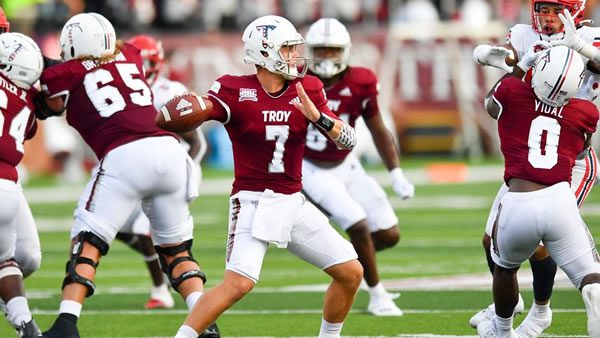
<point>267,312</point>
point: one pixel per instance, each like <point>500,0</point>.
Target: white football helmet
<point>328,32</point>
<point>263,39</point>
<point>20,59</point>
<point>87,35</point>
<point>557,76</point>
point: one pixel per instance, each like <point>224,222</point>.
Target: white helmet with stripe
<point>87,35</point>
<point>557,76</point>
<point>328,33</point>
<point>20,59</point>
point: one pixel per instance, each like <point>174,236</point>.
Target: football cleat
<point>488,313</point>
<point>591,299</point>
<point>62,328</point>
<point>211,332</point>
<point>487,329</point>
<point>160,298</point>
<point>28,330</point>
<point>534,324</point>
<point>384,307</point>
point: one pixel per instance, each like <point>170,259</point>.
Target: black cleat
<point>28,330</point>
<point>62,328</point>
<point>211,332</point>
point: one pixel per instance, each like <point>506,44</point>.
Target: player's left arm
<point>197,144</point>
<point>340,132</point>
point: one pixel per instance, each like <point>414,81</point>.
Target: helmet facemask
<point>328,61</point>
<point>291,60</point>
<point>542,10</point>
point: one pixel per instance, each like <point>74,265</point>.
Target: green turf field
<point>441,231</point>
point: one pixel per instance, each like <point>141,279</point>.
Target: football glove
<point>494,56</point>
<point>402,187</point>
<point>573,40</point>
<point>533,53</point>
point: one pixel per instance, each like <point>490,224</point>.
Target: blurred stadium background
<point>431,94</point>
<point>421,49</point>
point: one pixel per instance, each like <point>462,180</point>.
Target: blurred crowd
<point>230,15</point>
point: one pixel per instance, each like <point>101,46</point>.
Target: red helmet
<point>152,54</point>
<point>4,25</point>
<point>576,7</point>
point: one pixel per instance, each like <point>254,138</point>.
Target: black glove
<point>42,111</point>
<point>48,62</point>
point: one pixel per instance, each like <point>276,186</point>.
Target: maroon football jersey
<point>540,143</point>
<point>353,96</point>
<point>17,123</point>
<point>267,132</point>
<point>109,104</point>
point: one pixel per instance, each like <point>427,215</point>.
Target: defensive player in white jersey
<point>351,198</point>
<point>136,231</point>
<point>267,115</point>
<point>20,67</point>
<point>515,56</point>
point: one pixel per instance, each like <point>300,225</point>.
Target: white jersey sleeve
<point>164,90</point>
<point>520,37</point>
<point>591,81</point>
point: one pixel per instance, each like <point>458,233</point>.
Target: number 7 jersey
<point>267,132</point>
<point>109,104</point>
<point>540,143</point>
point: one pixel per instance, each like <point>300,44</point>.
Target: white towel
<point>192,179</point>
<point>274,217</point>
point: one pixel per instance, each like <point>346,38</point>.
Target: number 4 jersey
<point>109,104</point>
<point>16,124</point>
<point>540,143</point>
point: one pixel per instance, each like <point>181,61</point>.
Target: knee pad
<point>72,275</point>
<point>10,267</point>
<point>163,253</point>
<point>30,264</point>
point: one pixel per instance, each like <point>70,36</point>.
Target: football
<point>184,113</point>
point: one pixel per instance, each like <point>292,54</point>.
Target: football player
<point>267,115</point>
<point>542,129</point>
<point>351,198</point>
<point>136,232</point>
<point>21,64</point>
<point>545,26</point>
<point>101,84</point>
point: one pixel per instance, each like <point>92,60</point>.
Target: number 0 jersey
<point>16,124</point>
<point>540,143</point>
<point>267,132</point>
<point>109,104</point>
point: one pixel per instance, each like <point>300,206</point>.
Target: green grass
<point>435,242</point>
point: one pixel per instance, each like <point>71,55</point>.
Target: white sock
<point>330,330</point>
<point>504,324</point>
<point>541,310</point>
<point>186,332</point>
<point>192,298</point>
<point>377,291</point>
<point>70,306</point>
<point>18,311</point>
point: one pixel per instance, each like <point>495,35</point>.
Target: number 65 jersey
<point>109,104</point>
<point>540,143</point>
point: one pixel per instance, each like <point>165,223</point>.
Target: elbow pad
<point>347,137</point>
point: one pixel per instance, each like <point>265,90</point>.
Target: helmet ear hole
<point>72,52</point>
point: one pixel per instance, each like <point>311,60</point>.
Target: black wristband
<point>324,122</point>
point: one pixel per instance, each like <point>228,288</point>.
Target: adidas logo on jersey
<point>184,107</point>
<point>296,99</point>
<point>346,92</point>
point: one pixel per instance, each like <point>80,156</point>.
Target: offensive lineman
<point>545,26</point>
<point>102,85</point>
<point>542,130</point>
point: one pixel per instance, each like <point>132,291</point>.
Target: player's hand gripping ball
<point>184,113</point>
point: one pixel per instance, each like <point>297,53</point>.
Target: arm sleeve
<point>219,96</point>
<point>53,84</point>
<point>502,93</point>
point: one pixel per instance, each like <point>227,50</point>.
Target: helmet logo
<point>70,27</point>
<point>265,29</point>
<point>15,52</point>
